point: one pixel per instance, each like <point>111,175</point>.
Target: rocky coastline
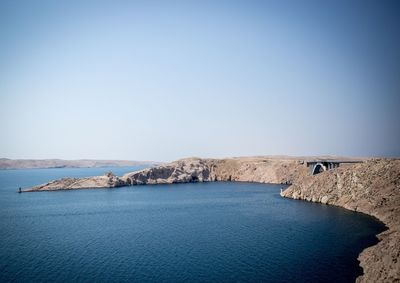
<point>246,169</point>
<point>371,187</point>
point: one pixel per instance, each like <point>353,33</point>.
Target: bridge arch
<point>318,168</point>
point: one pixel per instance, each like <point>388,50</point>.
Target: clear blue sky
<point>161,80</point>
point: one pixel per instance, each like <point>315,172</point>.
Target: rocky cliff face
<point>181,171</point>
<point>256,169</point>
<point>372,187</point>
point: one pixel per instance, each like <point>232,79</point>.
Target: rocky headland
<point>109,180</point>
<point>371,187</point>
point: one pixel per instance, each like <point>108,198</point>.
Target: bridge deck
<point>317,166</point>
<point>313,162</point>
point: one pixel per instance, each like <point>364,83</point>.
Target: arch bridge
<point>318,166</point>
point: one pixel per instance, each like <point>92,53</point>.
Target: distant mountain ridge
<point>6,163</point>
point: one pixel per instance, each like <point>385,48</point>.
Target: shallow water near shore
<point>203,232</point>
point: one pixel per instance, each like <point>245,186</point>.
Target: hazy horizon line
<point>210,157</point>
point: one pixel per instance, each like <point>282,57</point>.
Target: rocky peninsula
<point>371,187</point>
<point>246,169</point>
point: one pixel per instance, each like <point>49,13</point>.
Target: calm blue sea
<point>204,232</point>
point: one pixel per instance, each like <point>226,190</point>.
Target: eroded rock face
<point>181,171</point>
<point>372,187</point>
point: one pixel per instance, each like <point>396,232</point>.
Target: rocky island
<point>371,187</point>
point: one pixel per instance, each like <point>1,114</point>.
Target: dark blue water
<point>211,232</point>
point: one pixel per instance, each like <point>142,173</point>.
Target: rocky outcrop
<point>252,169</point>
<point>181,171</point>
<point>372,187</point>
<point>106,181</point>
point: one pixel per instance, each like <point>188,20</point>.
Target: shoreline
<point>371,187</point>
